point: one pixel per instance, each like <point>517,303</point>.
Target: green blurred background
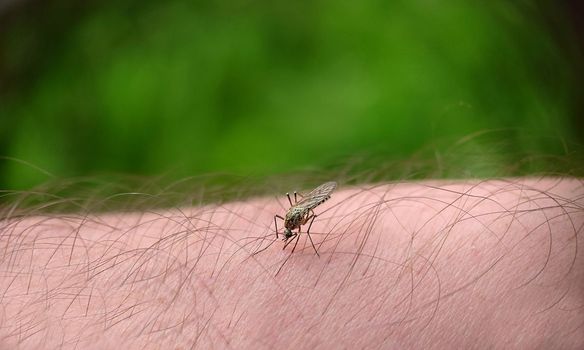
<point>258,87</point>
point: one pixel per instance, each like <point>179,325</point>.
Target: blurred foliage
<point>256,87</point>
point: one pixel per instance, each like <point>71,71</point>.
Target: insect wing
<point>318,195</point>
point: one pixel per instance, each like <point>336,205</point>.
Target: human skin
<point>491,264</point>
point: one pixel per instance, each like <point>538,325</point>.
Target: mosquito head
<point>287,234</point>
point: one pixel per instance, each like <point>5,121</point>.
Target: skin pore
<point>422,265</point>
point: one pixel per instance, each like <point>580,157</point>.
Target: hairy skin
<point>440,265</point>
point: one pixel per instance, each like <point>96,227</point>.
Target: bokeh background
<point>260,87</point>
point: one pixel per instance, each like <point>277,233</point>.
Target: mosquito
<point>301,212</point>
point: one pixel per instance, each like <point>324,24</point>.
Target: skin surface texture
<point>492,264</point>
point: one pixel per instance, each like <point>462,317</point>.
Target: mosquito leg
<point>308,233</point>
<point>289,240</point>
<point>276,224</point>
<point>289,200</point>
<point>295,244</point>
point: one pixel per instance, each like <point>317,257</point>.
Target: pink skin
<point>439,265</point>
